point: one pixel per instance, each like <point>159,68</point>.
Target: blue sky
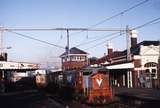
<point>71,13</point>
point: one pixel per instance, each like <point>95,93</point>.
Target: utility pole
<point>1,46</point>
<point>67,46</point>
<point>158,68</point>
<point>128,43</point>
<point>67,43</point>
<point>1,40</point>
<point>67,58</point>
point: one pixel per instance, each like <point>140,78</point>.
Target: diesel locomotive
<point>90,85</point>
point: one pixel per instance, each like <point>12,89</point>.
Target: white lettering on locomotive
<point>99,81</point>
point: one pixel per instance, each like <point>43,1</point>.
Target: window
<point>150,64</point>
<point>77,58</point>
<point>153,75</point>
<point>63,60</point>
<point>153,70</point>
<point>74,58</point>
<point>147,71</point>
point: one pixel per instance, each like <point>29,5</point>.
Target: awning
<point>121,66</point>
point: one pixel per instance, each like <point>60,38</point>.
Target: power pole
<point>1,46</point>
<point>128,43</point>
<point>129,73</point>
<point>1,40</point>
<point>67,58</point>
<point>158,68</point>
<point>67,43</point>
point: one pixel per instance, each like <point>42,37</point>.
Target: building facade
<point>141,70</point>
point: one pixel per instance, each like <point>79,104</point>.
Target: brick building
<point>76,59</point>
<point>140,71</point>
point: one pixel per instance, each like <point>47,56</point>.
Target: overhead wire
<point>109,18</point>
<point>120,13</point>
<point>29,37</point>
<point>105,41</point>
<point>137,27</point>
<point>155,22</point>
<point>97,39</point>
<point>115,15</point>
<point>148,23</point>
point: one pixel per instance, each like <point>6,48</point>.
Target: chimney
<point>109,48</point>
<point>133,38</point>
<point>3,57</point>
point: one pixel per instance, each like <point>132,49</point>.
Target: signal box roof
<point>74,50</point>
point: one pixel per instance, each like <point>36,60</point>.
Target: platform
<point>144,94</point>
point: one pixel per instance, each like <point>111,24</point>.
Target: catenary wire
<point>138,27</point>
<point>105,41</point>
<point>147,23</point>
<point>114,16</point>
<point>29,37</point>
<point>97,39</point>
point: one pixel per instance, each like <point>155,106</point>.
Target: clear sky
<point>71,13</point>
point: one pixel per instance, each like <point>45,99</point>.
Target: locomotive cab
<point>96,86</point>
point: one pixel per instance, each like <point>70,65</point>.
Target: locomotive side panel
<point>100,91</point>
<point>99,81</point>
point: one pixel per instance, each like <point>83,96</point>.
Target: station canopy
<point>5,65</point>
<point>129,65</point>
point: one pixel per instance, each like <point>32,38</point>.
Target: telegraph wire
<point>148,23</point>
<point>105,41</point>
<point>116,15</point>
<point>26,36</point>
<point>29,37</point>
<point>88,42</point>
<point>154,21</point>
<point>120,13</point>
<point>138,27</point>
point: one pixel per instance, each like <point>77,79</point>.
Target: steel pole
<point>1,41</point>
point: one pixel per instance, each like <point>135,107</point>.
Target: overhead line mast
<point>1,41</point>
<point>127,30</point>
<point>62,29</point>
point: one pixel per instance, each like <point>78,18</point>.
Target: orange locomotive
<point>96,87</point>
